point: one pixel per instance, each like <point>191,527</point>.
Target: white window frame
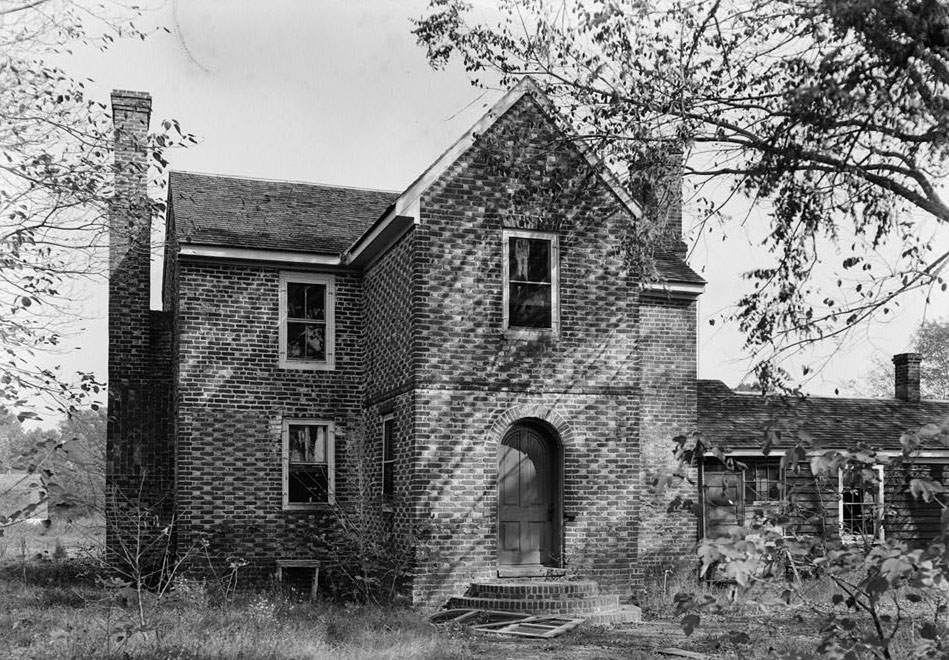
<point>329,281</point>
<point>330,464</point>
<point>853,538</point>
<point>554,238</point>
<point>386,419</point>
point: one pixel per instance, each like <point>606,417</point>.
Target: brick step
<point>578,606</point>
<point>522,589</point>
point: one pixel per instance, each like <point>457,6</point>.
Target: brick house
<point>470,356</point>
<point>471,364</point>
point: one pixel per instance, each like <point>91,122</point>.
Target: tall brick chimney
<point>906,376</point>
<point>129,323</point>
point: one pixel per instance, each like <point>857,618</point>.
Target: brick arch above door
<point>514,414</point>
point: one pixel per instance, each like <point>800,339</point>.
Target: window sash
<point>725,493</point>
<point>299,466</point>
<point>860,518</point>
<point>543,318</point>
<point>316,352</point>
<point>388,457</point>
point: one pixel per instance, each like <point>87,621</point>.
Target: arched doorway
<point>529,499</point>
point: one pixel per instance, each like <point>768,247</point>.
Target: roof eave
<point>676,290</point>
<point>188,250</point>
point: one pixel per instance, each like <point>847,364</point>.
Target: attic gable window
<point>531,281</point>
<point>307,328</point>
<point>309,478</point>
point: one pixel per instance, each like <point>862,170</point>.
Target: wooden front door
<point>527,503</point>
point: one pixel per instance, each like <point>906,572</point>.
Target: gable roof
<point>740,421</point>
<point>272,215</point>
<point>236,217</point>
<point>408,202</point>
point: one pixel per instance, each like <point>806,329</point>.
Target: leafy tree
<point>931,340</point>
<point>56,174</point>
<point>830,115</point>
<point>80,465</point>
<point>26,458</point>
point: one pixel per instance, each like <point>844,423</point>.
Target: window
<point>301,576</point>
<point>732,497</point>
<point>762,482</point>
<point>309,478</point>
<point>531,287</point>
<point>860,507</point>
<point>307,302</point>
<point>388,458</point>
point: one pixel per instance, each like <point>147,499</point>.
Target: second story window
<point>388,458</point>
<point>307,302</point>
<point>531,287</point>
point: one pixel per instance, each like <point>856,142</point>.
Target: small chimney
<point>906,376</point>
<point>130,221</point>
<point>657,185</point>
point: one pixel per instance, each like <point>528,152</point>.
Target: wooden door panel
<point>510,536</point>
<point>508,477</point>
<point>525,498</point>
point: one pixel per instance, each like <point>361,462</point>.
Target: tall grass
<point>57,612</point>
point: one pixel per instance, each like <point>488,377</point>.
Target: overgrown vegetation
<point>875,597</point>
<point>63,610</point>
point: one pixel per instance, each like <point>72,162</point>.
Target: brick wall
<point>388,287</point>
<point>232,400</point>
<point>471,373</point>
<point>667,345</point>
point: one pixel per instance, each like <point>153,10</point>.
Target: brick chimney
<point>906,376</point>
<point>657,185</point>
<point>129,256</point>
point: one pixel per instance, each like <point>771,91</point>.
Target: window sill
<point>531,334</point>
<point>315,506</point>
<point>858,540</point>
<point>302,365</point>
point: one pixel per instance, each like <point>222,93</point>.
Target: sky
<point>338,92</point>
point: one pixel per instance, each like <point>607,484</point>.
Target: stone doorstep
<point>590,604</point>
<point>521,589</point>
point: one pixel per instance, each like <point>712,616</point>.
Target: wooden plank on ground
<point>681,653</point>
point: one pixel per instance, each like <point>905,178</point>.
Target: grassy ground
<point>54,604</point>
<point>58,609</point>
<point>55,610</point>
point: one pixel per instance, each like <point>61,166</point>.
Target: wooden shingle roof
<point>272,215</point>
<point>741,421</point>
<point>675,269</point>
